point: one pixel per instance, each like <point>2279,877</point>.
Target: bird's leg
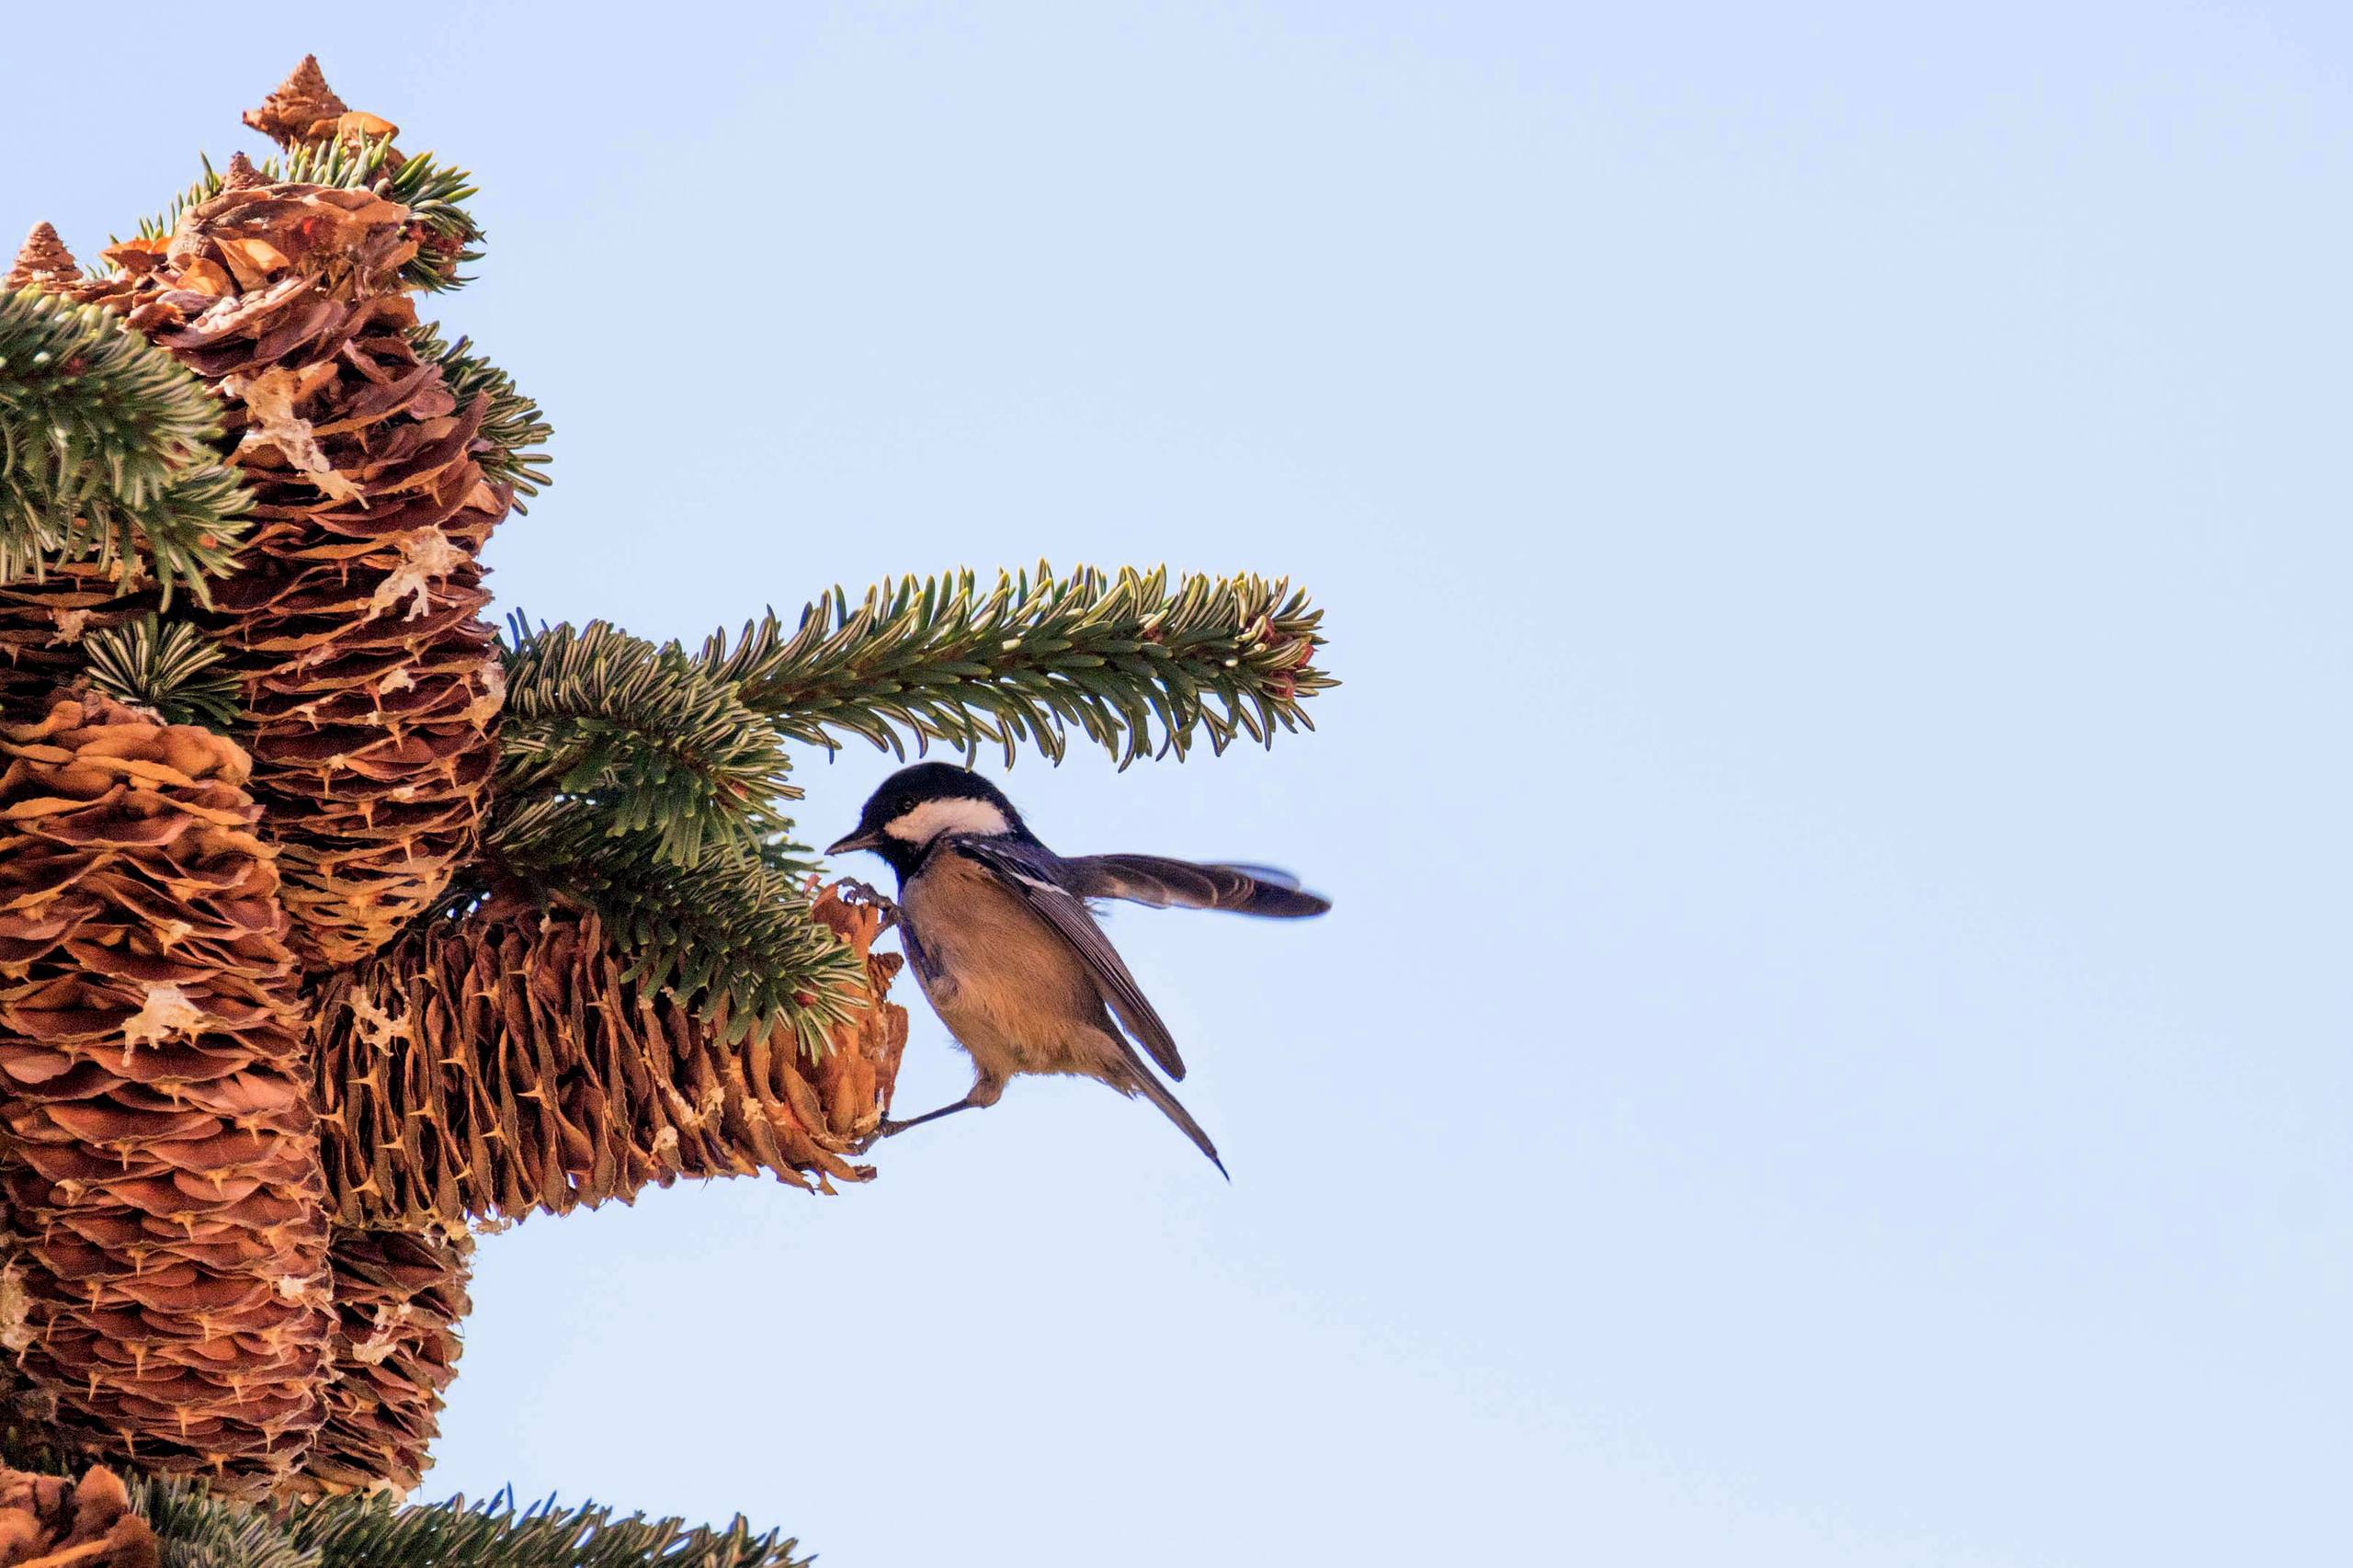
<point>891,1129</point>
<point>855,892</point>
<point>985,1091</point>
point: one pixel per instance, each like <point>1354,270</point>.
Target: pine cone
<point>48,1520</point>
<point>305,110</point>
<point>861,1065</point>
<point>372,685</point>
<point>158,1158</point>
<point>299,103</point>
<point>44,263</point>
<point>399,1298</point>
<point>496,1067</point>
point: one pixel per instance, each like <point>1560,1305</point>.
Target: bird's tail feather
<point>1158,880</point>
<point>1157,1093</point>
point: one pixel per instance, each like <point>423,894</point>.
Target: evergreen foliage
<point>196,1530</point>
<point>107,452</point>
<point>371,1532</point>
<point>623,766</point>
<point>169,666</point>
<point>655,741</point>
<point>1138,664</point>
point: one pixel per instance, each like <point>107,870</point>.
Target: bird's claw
<point>851,890</point>
<point>885,1130</point>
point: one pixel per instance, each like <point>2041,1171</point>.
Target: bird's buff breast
<point>1010,990</point>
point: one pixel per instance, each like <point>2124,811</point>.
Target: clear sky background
<point>1833,1047</point>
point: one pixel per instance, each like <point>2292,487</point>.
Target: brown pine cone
<point>372,684</point>
<point>157,1151</point>
<point>498,1066</point>
<point>399,1298</point>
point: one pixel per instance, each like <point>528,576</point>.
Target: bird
<point>1001,935</point>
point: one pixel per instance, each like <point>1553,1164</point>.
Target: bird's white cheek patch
<point>932,818</point>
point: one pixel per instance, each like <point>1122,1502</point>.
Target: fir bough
<point>169,666</point>
<point>371,1532</point>
<point>653,743</point>
<point>107,452</point>
<point>1138,663</point>
<point>196,1530</point>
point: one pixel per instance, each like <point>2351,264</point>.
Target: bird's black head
<point>917,804</point>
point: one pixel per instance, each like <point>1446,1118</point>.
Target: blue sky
<point>1833,1046</point>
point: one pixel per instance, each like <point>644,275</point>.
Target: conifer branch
<point>642,737</point>
<point>1138,665</point>
<point>168,666</point>
<point>369,1532</point>
<point>107,452</point>
<point>195,1528</point>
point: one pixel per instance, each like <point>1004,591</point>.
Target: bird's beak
<point>855,841</point>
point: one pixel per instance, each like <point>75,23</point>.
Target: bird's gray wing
<point>1033,872</point>
<point>926,972</point>
<point>1160,882</point>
